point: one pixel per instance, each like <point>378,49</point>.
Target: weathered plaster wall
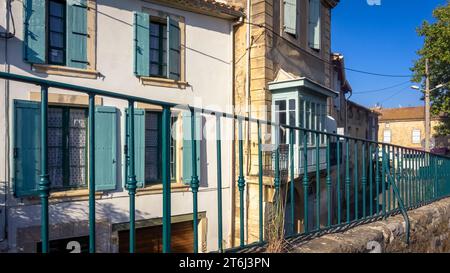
<point>401,131</point>
<point>430,232</point>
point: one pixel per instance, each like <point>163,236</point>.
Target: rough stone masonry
<point>430,231</point>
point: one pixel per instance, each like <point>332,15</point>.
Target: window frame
<point>384,135</point>
<point>66,150</point>
<point>161,62</point>
<point>48,32</point>
<point>412,136</point>
<point>173,153</point>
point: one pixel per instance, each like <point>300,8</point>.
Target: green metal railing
<point>358,179</point>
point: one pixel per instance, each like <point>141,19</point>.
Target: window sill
<point>162,82</point>
<point>72,194</point>
<point>157,189</point>
<point>65,71</point>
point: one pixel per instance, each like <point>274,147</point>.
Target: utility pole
<point>427,107</point>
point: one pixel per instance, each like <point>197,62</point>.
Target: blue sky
<point>381,39</point>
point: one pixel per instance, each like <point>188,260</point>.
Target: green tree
<point>437,49</point>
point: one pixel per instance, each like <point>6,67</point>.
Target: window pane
<point>152,155</point>
<point>154,56</point>
<point>291,104</point>
<point>154,43</point>
<point>56,9</point>
<point>56,56</point>
<point>154,69</point>
<point>56,40</point>
<point>77,147</point>
<point>154,29</point>
<point>56,24</point>
<point>280,105</point>
<point>55,148</point>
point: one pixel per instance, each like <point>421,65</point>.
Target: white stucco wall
<point>208,72</point>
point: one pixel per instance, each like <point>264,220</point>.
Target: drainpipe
<point>233,157</point>
<point>8,14</point>
<point>346,111</point>
<point>248,108</point>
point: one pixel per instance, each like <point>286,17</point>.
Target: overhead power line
<point>325,61</point>
<point>381,89</point>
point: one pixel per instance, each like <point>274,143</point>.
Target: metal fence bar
<point>347,178</point>
<point>292,186</point>
<point>328,182</point>
<point>355,172</point>
<point>338,178</point>
<point>241,185</point>
<point>165,172</point>
<point>194,180</point>
<point>363,179</point>
<point>317,136</point>
<point>44,183</point>
<point>260,184</point>
<point>219,183</point>
<point>91,130</point>
<point>371,179</point>
<point>132,177</point>
<point>305,181</point>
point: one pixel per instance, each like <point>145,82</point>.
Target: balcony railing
<point>350,180</point>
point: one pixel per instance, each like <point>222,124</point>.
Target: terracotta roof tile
<point>404,113</point>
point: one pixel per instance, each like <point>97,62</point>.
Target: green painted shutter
<point>34,31</point>
<point>290,16</point>
<point>314,24</point>
<point>174,49</point>
<point>27,137</point>
<point>139,146</point>
<point>141,44</point>
<point>187,146</point>
<point>77,35</point>
<point>105,148</point>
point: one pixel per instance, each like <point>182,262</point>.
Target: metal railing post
<point>132,177</point>
<point>219,183</point>
<point>194,181</point>
<point>91,131</point>
<point>165,172</point>
<point>241,185</point>
<point>292,186</point>
<point>260,185</point>
<point>44,183</point>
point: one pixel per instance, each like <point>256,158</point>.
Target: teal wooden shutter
<point>27,140</point>
<point>173,49</point>
<point>290,16</point>
<point>314,24</point>
<point>76,28</point>
<point>34,31</point>
<point>187,146</point>
<point>105,148</point>
<point>141,44</point>
<point>139,146</point>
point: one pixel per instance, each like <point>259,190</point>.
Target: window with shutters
<point>59,36</point>
<point>159,48</point>
<point>67,147</point>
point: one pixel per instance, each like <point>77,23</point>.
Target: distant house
<point>352,119</point>
<point>405,126</point>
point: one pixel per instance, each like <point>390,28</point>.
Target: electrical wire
<point>325,61</point>
<point>381,89</point>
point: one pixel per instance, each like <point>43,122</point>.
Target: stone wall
<point>430,232</point>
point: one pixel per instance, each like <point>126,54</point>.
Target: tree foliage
<point>437,49</point>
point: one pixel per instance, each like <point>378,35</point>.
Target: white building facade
<point>160,50</point>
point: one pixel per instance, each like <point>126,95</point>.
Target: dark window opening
<point>158,49</point>
<point>56,32</point>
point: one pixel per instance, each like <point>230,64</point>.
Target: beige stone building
<point>282,73</point>
<point>406,127</point>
